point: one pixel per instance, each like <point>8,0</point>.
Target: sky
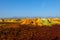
<point>29,8</point>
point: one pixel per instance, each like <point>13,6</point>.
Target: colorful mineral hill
<point>33,21</point>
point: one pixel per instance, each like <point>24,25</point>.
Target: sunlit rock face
<point>30,29</point>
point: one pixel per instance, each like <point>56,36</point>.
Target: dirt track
<point>29,32</point>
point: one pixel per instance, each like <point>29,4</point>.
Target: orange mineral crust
<point>30,29</point>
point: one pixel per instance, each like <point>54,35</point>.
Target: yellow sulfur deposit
<point>26,21</point>
<point>34,21</point>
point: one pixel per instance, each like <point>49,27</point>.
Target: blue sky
<point>29,8</point>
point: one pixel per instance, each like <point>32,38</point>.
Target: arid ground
<point>15,31</point>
